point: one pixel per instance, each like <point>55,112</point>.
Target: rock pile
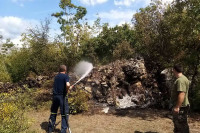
<point>30,82</point>
<point>6,87</point>
<point>36,82</point>
<point>124,83</point>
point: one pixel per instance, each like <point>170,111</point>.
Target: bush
<point>196,99</point>
<point>78,101</point>
<point>18,64</point>
<point>12,118</point>
<point>123,51</point>
<point>48,84</point>
<point>14,105</point>
<point>4,75</point>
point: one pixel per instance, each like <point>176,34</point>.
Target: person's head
<point>62,68</point>
<point>177,69</point>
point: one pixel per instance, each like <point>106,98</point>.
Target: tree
<point>4,75</point>
<point>6,47</point>
<point>105,43</point>
<point>18,64</point>
<point>183,20</point>
<point>69,19</point>
<point>148,32</point>
<point>43,53</point>
<point>123,51</point>
<point>169,35</point>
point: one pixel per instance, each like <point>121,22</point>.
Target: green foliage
<point>38,55</point>
<point>71,56</point>
<point>33,99</point>
<point>106,42</point>
<point>18,64</point>
<point>43,57</point>
<point>196,99</point>
<point>4,75</point>
<point>12,118</point>
<point>6,47</point>
<point>88,52</point>
<point>27,99</point>
<point>42,52</point>
<point>183,21</point>
<point>78,101</point>
<point>15,104</point>
<point>123,51</point>
<point>74,31</point>
<point>69,19</point>
<point>169,35</point>
<point>48,84</point>
<point>153,38</point>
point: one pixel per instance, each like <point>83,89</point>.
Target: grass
<point>132,121</point>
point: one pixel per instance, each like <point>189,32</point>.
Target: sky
<point>16,16</point>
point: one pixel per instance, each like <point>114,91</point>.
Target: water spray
<point>82,69</point>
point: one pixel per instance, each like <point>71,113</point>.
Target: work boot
<point>50,127</point>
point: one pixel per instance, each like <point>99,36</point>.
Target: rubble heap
<point>124,83</point>
<point>30,82</point>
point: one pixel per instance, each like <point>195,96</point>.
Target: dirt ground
<point>129,121</point>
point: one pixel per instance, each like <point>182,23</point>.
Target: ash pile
<point>124,84</point>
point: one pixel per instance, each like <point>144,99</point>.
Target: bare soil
<point>124,121</point>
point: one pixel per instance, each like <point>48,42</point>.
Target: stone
<point>89,89</point>
<point>39,78</point>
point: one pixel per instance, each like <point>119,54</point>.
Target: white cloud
<point>20,2</point>
<point>93,2</point>
<point>163,1</point>
<point>115,14</point>
<point>167,1</point>
<point>116,17</point>
<point>15,1</point>
<point>123,2</point>
<point>12,27</point>
<point>136,2</point>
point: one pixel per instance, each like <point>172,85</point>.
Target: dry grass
<point>131,121</point>
<point>123,121</point>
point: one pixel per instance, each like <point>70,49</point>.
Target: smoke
<point>82,69</point>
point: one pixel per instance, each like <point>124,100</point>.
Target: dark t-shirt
<point>59,87</point>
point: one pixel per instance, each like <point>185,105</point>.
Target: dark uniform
<point>180,119</point>
<point>59,100</point>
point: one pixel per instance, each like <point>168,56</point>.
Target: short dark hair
<point>178,68</point>
<point>62,68</point>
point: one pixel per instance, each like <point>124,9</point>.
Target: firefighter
<point>61,87</point>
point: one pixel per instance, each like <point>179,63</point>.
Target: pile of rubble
<point>30,82</point>
<point>124,83</point>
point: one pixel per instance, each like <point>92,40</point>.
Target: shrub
<point>18,64</point>
<point>196,99</point>
<point>11,117</point>
<point>4,75</point>
<point>123,51</point>
<point>78,101</point>
<point>48,84</point>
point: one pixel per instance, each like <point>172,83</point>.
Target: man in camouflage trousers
<point>180,102</point>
